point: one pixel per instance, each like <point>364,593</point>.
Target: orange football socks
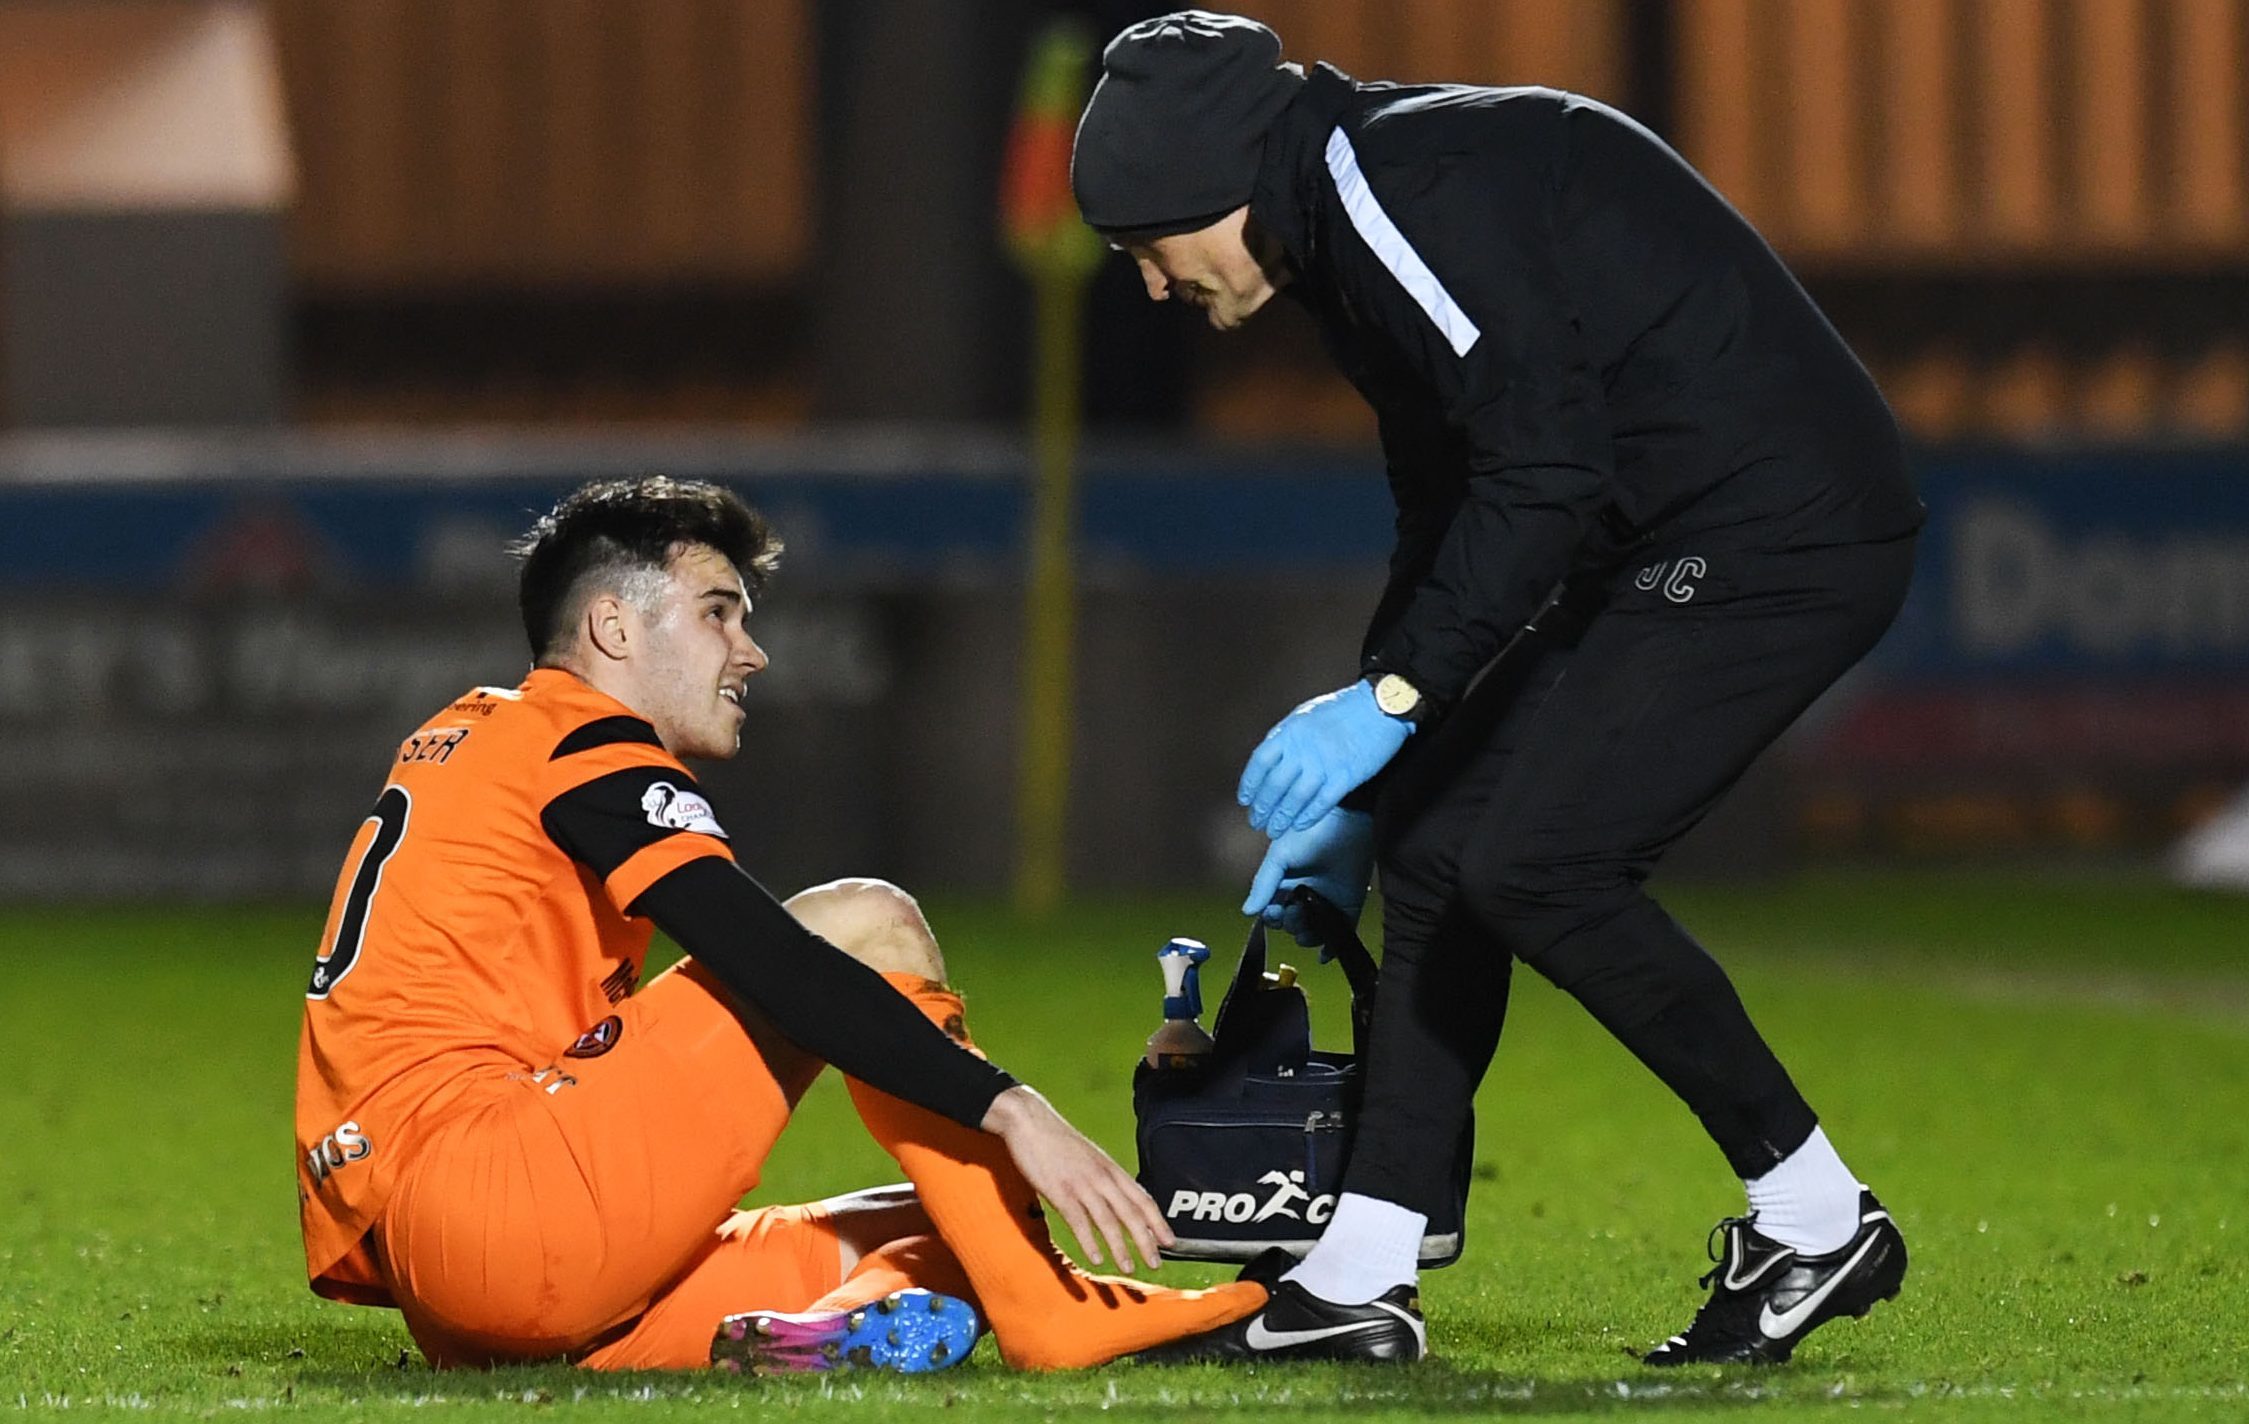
<point>1045,1312</point>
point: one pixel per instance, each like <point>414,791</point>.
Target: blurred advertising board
<point>2073,667</point>
<point>207,658</point>
<point>208,651</point>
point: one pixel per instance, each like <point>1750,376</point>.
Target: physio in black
<point>1649,506</point>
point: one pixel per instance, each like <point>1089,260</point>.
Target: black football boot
<point>1765,1297</point>
<point>1297,1325</point>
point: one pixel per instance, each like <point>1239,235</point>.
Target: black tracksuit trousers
<point>1525,825</point>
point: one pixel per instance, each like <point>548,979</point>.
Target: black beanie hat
<point>1172,137</point>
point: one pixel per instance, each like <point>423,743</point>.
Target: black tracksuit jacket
<point>1574,346</point>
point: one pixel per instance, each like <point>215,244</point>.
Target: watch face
<point>1396,696</point>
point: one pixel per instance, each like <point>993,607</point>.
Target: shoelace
<point>1710,1245</point>
<point>1709,1316</point>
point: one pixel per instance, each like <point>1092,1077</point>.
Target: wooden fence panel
<point>1569,44</point>
<point>1722,89</point>
<point>543,142</point>
<point>1917,119</point>
<point>2107,90</point>
<point>2207,185</point>
<point>1875,131</point>
<point>1825,124</point>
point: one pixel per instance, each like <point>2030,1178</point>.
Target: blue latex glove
<point>1334,855</point>
<point>1317,755</point>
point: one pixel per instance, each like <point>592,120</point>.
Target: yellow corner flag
<point>1058,253</point>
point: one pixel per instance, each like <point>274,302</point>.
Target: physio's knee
<point>1614,950</point>
<point>1416,876</point>
<point>874,922</point>
<point>1535,910</point>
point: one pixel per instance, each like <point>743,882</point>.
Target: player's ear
<point>609,626</point>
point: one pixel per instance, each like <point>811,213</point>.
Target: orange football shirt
<point>478,929</point>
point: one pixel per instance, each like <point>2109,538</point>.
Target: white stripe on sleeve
<point>1390,245</point>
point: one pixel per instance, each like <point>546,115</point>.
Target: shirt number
<point>338,956</point>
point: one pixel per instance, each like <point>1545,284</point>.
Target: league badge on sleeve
<point>667,806</point>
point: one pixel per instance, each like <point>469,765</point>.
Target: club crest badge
<point>597,1040</point>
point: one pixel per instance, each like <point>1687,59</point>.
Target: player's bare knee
<point>873,921</point>
<point>854,907</point>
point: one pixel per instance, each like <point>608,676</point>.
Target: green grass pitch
<point>2048,1081</point>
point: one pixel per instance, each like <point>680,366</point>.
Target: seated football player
<point>531,1161</point>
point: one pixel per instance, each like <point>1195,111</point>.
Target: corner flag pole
<point>1059,254</point>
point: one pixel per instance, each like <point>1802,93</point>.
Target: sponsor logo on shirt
<point>621,981</point>
<point>676,810</point>
<point>346,1145</point>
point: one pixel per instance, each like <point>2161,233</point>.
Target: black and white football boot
<point>1765,1297</point>
<point>1297,1325</point>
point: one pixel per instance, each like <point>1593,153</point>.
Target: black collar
<point>1288,190</point>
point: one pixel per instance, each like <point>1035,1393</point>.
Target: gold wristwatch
<point>1399,698</point>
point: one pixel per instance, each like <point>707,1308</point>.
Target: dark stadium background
<point>305,306</point>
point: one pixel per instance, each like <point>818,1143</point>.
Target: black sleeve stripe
<point>605,822</point>
<point>606,731</point>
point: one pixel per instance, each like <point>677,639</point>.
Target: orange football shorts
<point>586,1211</point>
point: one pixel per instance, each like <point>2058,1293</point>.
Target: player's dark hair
<point>609,529</point>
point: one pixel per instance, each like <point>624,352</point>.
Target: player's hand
<point>1334,855</point>
<point>1317,755</point>
<point>1097,1198</point>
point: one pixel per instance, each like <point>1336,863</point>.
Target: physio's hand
<point>1317,755</point>
<point>1334,855</point>
<point>1097,1198</point>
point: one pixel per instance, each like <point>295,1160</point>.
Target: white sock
<point>1810,1201</point>
<point>1369,1246</point>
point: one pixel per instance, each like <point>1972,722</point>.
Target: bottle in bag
<point>1181,1042</point>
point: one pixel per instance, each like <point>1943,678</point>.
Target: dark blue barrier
<point>2080,567</point>
<point>201,661</point>
<point>898,526</point>
<point>2036,565</point>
